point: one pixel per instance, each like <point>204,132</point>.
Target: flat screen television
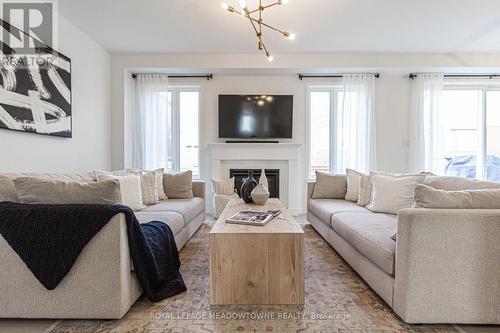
<point>255,116</point>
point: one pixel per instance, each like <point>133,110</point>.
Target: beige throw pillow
<point>130,188</point>
<point>44,191</point>
<point>329,186</point>
<point>353,182</point>
<point>158,181</point>
<point>148,186</point>
<point>365,190</point>
<point>428,197</point>
<point>391,193</point>
<point>7,190</point>
<point>225,187</point>
<point>179,186</point>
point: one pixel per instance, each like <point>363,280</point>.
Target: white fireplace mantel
<point>261,155</point>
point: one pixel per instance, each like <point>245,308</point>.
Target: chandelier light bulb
<point>255,16</point>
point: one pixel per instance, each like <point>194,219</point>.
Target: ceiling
<point>201,26</point>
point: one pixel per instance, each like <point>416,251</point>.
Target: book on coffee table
<point>253,217</point>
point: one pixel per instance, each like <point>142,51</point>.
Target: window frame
<point>484,88</point>
<point>334,88</point>
<point>175,90</point>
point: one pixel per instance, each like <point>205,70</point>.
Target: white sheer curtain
<point>152,121</point>
<point>355,124</point>
<point>426,139</point>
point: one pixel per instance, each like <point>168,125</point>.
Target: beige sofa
<point>102,282</point>
<point>444,266</point>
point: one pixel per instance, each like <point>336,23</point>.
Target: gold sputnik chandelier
<point>255,17</point>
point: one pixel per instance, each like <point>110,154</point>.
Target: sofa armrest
<point>447,266</point>
<point>310,189</point>
<point>99,285</point>
<point>199,188</point>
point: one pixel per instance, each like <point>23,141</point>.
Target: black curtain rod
<point>302,76</point>
<point>490,76</point>
<point>207,76</point>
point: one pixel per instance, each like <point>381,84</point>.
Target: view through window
<point>470,128</point>
<point>180,115</point>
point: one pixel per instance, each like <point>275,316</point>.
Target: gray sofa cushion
<point>429,197</point>
<point>329,186</point>
<point>178,186</point>
<point>7,190</point>
<point>79,177</point>
<point>325,208</point>
<point>370,234</point>
<point>188,208</point>
<point>174,220</point>
<point>458,183</point>
<point>49,191</point>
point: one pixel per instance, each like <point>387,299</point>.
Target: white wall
<point>90,146</point>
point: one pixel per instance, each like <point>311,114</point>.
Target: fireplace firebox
<point>273,178</point>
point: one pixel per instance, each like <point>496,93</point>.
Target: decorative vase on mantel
<point>260,194</point>
<point>263,179</point>
<point>247,187</point>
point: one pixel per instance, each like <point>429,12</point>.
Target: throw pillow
<point>130,188</point>
<point>353,182</point>
<point>365,190</point>
<point>45,191</point>
<point>158,181</point>
<point>428,197</point>
<point>391,193</point>
<point>458,183</point>
<point>225,187</point>
<point>329,186</point>
<point>7,190</point>
<point>148,186</point>
<point>179,186</point>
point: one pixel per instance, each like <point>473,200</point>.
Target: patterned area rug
<point>337,300</point>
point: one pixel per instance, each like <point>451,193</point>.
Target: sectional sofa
<point>444,266</point>
<point>102,282</point>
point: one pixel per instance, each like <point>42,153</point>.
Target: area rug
<point>337,300</point>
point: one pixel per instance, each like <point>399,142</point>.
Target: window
<point>469,126</point>
<point>340,125</point>
<point>320,140</point>
<point>181,114</point>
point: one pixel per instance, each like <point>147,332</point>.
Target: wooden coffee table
<point>256,264</point>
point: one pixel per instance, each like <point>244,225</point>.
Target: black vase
<point>247,187</point>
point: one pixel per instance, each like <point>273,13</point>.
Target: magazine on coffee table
<point>253,217</point>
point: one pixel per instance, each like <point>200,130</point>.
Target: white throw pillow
<point>148,186</point>
<point>158,181</point>
<point>130,188</point>
<point>225,187</point>
<point>353,182</point>
<point>365,190</point>
<point>391,193</point>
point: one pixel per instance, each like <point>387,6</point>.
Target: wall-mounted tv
<point>255,116</point>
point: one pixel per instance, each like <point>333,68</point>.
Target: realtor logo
<point>37,19</point>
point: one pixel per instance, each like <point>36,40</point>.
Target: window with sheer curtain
<point>341,125</point>
<point>166,125</point>
<point>471,132</point>
<point>455,127</point>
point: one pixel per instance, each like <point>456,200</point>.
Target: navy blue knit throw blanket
<point>49,238</point>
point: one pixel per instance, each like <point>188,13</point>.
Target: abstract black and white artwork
<point>35,89</point>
